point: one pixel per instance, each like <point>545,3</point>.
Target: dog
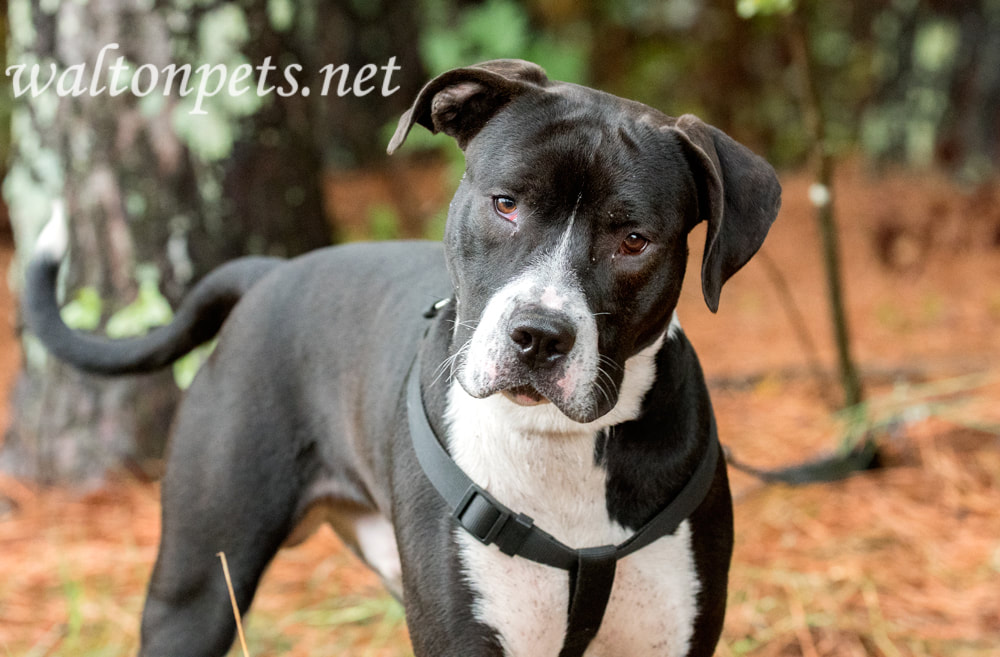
<point>550,365</point>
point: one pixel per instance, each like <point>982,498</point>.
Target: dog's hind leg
<point>230,487</point>
<point>187,609</point>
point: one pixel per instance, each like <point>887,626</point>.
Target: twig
<point>48,641</point>
<point>236,609</point>
<point>801,627</point>
<point>876,620</point>
<point>794,315</point>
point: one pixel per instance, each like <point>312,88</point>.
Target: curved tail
<point>198,319</point>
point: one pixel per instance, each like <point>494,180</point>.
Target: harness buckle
<point>491,522</point>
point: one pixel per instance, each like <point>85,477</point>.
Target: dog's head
<point>567,237</point>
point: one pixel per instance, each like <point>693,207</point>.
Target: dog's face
<point>567,236</point>
<point>566,241</point>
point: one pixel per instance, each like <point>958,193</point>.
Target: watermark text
<point>114,76</point>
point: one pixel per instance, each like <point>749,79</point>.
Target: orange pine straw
<point>236,609</point>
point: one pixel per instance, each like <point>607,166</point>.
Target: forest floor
<point>899,561</point>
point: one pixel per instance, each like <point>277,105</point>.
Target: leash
<point>591,570</point>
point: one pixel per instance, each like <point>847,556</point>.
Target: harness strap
<point>591,570</point>
<point>590,584</point>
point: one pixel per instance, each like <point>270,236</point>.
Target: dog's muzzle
<point>536,341</point>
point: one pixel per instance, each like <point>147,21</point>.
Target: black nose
<point>541,338</point>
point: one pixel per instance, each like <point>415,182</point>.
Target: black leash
<point>866,455</point>
<point>591,570</point>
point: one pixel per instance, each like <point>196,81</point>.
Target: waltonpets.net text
<point>204,81</point>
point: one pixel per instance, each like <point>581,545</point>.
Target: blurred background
<point>861,342</point>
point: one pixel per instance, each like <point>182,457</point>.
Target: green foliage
<point>186,367</point>
<point>84,311</point>
<point>222,32</point>
<point>383,222</point>
<point>890,76</point>
<point>22,28</point>
<point>150,309</point>
<point>281,14</point>
<point>751,8</point>
<point>908,125</point>
<point>936,46</point>
<point>72,591</point>
<point>496,29</point>
<point>221,35</point>
<point>744,646</point>
<point>910,403</point>
<point>887,72</point>
<point>458,36</point>
<point>434,230</point>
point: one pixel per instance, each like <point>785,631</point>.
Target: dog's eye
<point>506,207</point>
<point>634,244</point>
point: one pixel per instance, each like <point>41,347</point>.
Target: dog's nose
<point>541,338</point>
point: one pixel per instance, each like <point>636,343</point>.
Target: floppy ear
<point>460,101</point>
<point>742,195</point>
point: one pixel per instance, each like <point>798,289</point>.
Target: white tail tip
<point>54,238</point>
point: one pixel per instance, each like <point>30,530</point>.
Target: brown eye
<point>634,244</point>
<point>506,207</point>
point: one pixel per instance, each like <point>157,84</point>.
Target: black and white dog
<point>554,372</point>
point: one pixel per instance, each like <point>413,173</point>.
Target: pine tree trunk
<point>141,190</point>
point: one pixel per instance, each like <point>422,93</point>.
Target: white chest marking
<point>536,461</point>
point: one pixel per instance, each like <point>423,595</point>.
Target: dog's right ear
<point>460,101</point>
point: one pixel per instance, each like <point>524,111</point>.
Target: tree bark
<point>141,190</point>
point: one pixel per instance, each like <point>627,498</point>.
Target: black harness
<point>591,570</point>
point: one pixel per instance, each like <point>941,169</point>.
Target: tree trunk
<point>823,199</point>
<point>146,184</point>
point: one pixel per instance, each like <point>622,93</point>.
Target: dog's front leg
<point>440,605</point>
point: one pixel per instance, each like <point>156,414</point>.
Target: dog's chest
<point>554,479</point>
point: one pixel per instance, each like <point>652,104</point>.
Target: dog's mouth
<point>525,395</point>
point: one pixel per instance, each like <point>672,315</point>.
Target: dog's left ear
<point>742,195</point>
<point>460,101</point>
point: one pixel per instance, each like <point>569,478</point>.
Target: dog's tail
<point>198,319</point>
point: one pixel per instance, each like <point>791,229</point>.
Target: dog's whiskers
<point>593,394</point>
<point>469,324</point>
<point>603,379</point>
<point>462,351</point>
<point>444,367</point>
<point>603,375</point>
<point>606,384</point>
<point>441,369</point>
<point>449,365</point>
<point>610,362</point>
